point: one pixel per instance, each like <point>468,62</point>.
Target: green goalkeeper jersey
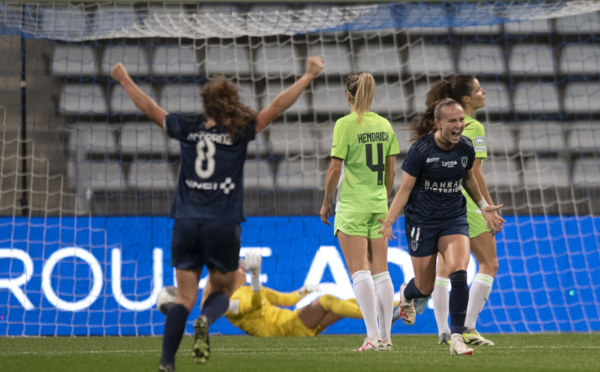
<point>475,131</point>
<point>364,148</point>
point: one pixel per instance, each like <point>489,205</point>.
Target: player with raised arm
<point>365,144</point>
<point>467,90</point>
<point>435,211</point>
<point>208,203</point>
<point>258,311</point>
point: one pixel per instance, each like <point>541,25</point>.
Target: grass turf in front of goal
<point>523,352</point>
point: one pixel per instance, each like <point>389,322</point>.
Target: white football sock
<point>365,297</point>
<point>384,292</point>
<point>478,295</point>
<point>441,304</point>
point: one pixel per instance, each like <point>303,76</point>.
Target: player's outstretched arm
<point>142,101</point>
<point>400,200</point>
<point>287,98</point>
<point>252,263</point>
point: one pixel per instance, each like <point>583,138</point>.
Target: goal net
<point>86,181</point>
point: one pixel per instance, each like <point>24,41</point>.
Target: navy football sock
<point>174,328</point>
<point>215,305</point>
<point>411,291</point>
<point>459,300</point>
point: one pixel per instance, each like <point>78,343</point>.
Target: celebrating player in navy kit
<point>208,205</point>
<point>435,211</point>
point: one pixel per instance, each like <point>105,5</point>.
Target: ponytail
<point>361,88</point>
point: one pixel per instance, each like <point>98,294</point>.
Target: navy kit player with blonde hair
<point>467,90</point>
<point>208,205</point>
<point>435,211</point>
<point>365,144</point>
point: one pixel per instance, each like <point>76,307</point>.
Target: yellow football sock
<point>343,308</point>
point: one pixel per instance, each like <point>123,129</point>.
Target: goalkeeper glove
<point>252,263</point>
<point>308,288</point>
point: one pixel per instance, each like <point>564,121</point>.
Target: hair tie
<point>347,91</point>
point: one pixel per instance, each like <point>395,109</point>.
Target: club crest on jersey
<point>463,161</point>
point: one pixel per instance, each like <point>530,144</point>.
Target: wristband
<point>255,283</point>
<point>482,204</point>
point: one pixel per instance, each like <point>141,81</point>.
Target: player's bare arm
<point>333,177</point>
<point>390,174</point>
<point>400,200</point>
<point>287,98</point>
<point>141,100</point>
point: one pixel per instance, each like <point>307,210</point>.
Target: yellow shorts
<point>298,329</point>
<point>358,224</point>
<point>475,220</point>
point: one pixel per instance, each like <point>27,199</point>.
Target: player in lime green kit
<point>467,90</point>
<point>364,149</point>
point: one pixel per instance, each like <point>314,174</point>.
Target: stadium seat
<point>97,176</point>
<point>483,29</point>
<point>301,105</point>
<point>542,137</point>
<point>120,103</point>
<point>585,136</point>
<point>430,59</point>
<point>73,60</point>
<point>535,98</point>
<point>143,138</point>
<point>420,93</point>
<point>586,172</point>
<point>95,138</point>
<point>582,97</point>
<point>497,97</point>
<point>64,24</point>
<point>500,138</point>
<point>258,174</point>
<point>580,59</point>
<point>247,94</point>
<point>391,100</point>
<point>531,59</point>
<point>278,61</point>
<point>544,173</point>
<point>583,23</point>
<point>538,26</point>
<point>114,21</point>
<point>403,135</point>
<point>301,173</point>
<point>324,135</point>
<point>260,146</point>
<point>502,172</point>
<point>415,16</point>
<point>134,59</point>
<point>480,59</point>
<point>82,99</point>
<point>181,98</point>
<point>378,58</point>
<point>150,175</point>
<point>228,59</point>
<point>330,98</point>
<point>337,58</point>
<point>293,140</point>
<point>174,61</point>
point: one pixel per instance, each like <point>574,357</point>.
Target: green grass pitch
<point>541,352</point>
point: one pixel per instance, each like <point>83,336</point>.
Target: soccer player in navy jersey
<point>208,205</point>
<point>435,211</point>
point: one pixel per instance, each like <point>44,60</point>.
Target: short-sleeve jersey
<point>436,196</point>
<point>210,181</point>
<point>267,321</point>
<point>364,148</point>
<point>476,132</point>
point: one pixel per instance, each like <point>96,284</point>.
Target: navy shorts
<point>200,242</point>
<point>423,242</point>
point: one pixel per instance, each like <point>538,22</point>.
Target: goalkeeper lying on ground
<point>255,309</point>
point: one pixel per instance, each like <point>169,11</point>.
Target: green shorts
<point>358,224</point>
<point>475,220</point>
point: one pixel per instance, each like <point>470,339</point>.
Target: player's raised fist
<point>118,72</point>
<point>315,65</point>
